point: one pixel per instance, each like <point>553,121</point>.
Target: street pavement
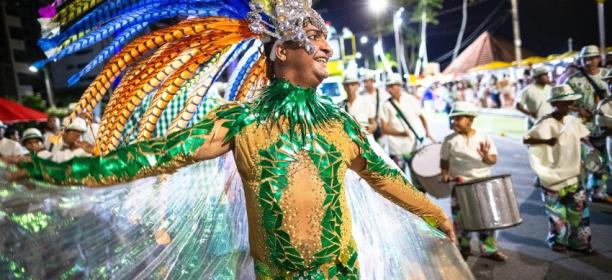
<point>525,245</point>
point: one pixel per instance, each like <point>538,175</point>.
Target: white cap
<point>350,79</point>
<point>78,125</point>
<point>31,133</point>
<point>589,51</point>
<point>563,93</point>
<point>2,125</point>
<point>462,108</point>
<point>394,79</point>
<point>369,75</point>
<point>539,71</point>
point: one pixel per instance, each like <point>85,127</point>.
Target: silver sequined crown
<point>286,21</point>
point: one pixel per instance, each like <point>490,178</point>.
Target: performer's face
<point>71,136</point>
<point>312,68</point>
<point>563,107</point>
<point>395,91</point>
<point>34,145</point>
<point>591,62</point>
<point>462,124</point>
<point>543,79</point>
<point>351,89</point>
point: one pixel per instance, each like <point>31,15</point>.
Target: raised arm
<point>207,139</point>
<point>392,184</point>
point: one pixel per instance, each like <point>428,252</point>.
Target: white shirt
<point>90,135</point>
<point>461,152</point>
<point>11,148</point>
<point>410,107</point>
<point>62,153</point>
<point>557,166</point>
<point>383,96</point>
<point>534,98</point>
<point>46,140</point>
<point>361,110</point>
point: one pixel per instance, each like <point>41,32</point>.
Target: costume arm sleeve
<point>137,160</point>
<point>392,184</point>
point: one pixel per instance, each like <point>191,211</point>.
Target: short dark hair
<point>267,49</point>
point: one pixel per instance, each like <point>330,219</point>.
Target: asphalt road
<point>525,245</point>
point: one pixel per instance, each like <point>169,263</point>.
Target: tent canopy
<point>485,49</point>
<point>12,112</point>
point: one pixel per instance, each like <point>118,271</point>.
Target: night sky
<point>546,25</point>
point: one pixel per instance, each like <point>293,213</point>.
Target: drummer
<point>555,157</point>
<point>467,155</point>
<point>357,105</point>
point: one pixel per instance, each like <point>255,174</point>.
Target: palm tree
<point>462,29</point>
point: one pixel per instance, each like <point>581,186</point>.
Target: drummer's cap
<point>394,79</point>
<point>539,71</point>
<point>350,79</point>
<point>563,93</point>
<point>462,108</point>
<point>369,76</point>
<point>589,51</point>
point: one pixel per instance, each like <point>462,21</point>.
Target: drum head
<point>426,161</point>
<point>605,117</point>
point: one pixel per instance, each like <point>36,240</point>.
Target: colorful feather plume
<point>148,67</point>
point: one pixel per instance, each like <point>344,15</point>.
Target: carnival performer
<point>588,81</point>
<point>52,128</point>
<point>399,119</point>
<point>533,102</point>
<point>468,154</point>
<point>9,149</point>
<point>358,106</point>
<point>292,148</point>
<point>555,157</point>
<point>376,99</point>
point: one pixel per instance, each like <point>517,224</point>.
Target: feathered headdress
<point>173,66</point>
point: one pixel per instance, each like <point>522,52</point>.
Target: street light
<point>363,40</point>
<point>378,6</point>
<point>48,87</point>
<point>358,55</point>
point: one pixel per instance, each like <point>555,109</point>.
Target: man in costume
<point>400,115</point>
<point>358,106</point>
<point>555,157</point>
<point>466,155</point>
<point>291,147</point>
<point>588,82</point>
<point>533,101</point>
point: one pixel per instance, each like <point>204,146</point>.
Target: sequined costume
<point>277,206</point>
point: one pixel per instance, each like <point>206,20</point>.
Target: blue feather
<point>243,68</point>
<point>110,50</point>
<point>142,16</point>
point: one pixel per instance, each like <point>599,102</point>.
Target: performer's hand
<point>430,137</point>
<point>551,142</point>
<point>447,228</point>
<point>483,151</point>
<point>446,178</point>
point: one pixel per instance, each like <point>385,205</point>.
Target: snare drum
<point>488,203</point>
<point>603,118</point>
<point>426,166</point>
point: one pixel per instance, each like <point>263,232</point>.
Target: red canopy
<point>11,112</point>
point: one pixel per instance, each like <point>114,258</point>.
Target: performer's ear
<point>281,52</point>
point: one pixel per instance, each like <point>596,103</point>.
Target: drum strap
<point>419,138</point>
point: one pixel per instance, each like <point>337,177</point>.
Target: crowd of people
<point>57,143</point>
